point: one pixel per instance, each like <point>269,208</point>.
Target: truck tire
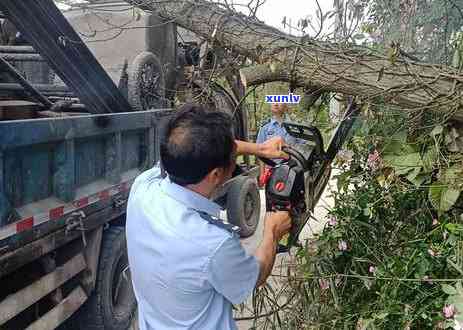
<point>220,99</point>
<point>112,304</point>
<point>146,83</point>
<point>243,205</point>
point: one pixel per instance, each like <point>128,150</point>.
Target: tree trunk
<point>350,70</point>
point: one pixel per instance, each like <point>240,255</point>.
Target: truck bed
<point>57,172</point>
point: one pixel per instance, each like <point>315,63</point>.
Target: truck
<point>73,138</point>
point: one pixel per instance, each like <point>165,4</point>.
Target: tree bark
<point>333,67</point>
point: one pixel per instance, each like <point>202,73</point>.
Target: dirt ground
<point>282,260</point>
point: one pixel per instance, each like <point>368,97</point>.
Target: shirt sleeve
<point>261,135</point>
<point>232,272</point>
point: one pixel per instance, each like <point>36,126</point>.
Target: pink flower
<point>342,245</point>
<point>332,221</point>
<point>372,269</point>
<point>374,160</point>
<point>435,222</point>
<point>432,253</point>
<point>323,284</point>
<point>449,311</point>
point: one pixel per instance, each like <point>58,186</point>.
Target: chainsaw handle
<point>268,161</point>
<point>287,149</point>
<point>271,162</point>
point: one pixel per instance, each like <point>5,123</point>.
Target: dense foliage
<point>390,256</point>
<point>428,30</point>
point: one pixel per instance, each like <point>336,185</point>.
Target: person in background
<point>274,128</point>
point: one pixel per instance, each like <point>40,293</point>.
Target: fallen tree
<point>306,62</point>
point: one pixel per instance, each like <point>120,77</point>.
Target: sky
<point>273,11</point>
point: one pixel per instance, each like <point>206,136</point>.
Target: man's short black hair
<point>195,141</point>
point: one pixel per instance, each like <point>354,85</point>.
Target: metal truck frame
<point>67,162</point>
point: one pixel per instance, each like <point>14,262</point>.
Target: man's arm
<point>234,273</point>
<point>268,149</point>
<point>277,224</point>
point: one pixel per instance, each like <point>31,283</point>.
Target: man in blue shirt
<point>187,266</point>
<point>274,128</point>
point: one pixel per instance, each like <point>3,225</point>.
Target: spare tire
<point>218,98</point>
<point>146,83</point>
<point>243,205</point>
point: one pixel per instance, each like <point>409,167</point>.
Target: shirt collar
<point>273,121</point>
<point>189,198</point>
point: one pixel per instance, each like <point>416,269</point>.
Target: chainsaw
<point>296,184</point>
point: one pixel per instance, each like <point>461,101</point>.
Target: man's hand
<point>279,223</point>
<point>272,148</point>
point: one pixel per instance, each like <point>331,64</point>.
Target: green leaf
<point>364,324</point>
<point>343,180</point>
<point>404,164</point>
<point>448,289</point>
<point>381,316</point>
<point>411,176</point>
<point>399,148</point>
<point>458,269</point>
<point>429,158</point>
<point>419,179</point>
<point>442,197</point>
<point>397,144</point>
<point>456,60</point>
<point>449,198</point>
<point>459,287</point>
<point>451,175</point>
<point>454,227</point>
<point>435,193</point>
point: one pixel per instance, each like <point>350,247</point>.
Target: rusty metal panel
<point>18,302</point>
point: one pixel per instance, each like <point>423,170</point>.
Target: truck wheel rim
<point>249,206</point>
<point>149,85</point>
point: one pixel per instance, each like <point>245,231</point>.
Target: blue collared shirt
<point>274,128</point>
<point>186,272</point>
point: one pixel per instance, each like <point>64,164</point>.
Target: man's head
<point>279,109</point>
<point>198,147</point>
